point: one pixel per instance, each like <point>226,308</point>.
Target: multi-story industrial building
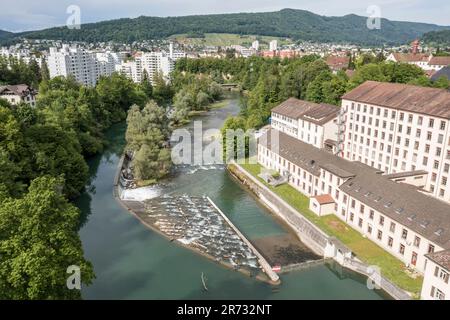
<point>395,215</point>
<point>436,284</point>
<point>397,128</point>
<point>312,123</point>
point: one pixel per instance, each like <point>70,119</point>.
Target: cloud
<point>47,13</point>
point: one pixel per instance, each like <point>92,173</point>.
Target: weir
<point>198,224</point>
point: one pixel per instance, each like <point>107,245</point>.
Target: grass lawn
<point>366,250</point>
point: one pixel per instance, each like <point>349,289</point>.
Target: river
<point>133,262</point>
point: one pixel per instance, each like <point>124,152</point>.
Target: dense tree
<point>162,90</point>
<point>56,152</point>
<point>38,242</point>
<point>146,85</point>
<point>147,135</point>
<point>287,23</point>
<point>16,71</point>
<point>117,93</point>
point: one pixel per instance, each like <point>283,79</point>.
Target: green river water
<point>133,262</point>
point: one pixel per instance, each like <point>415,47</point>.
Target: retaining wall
<point>312,236</point>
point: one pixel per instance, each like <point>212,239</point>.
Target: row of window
<point>389,113</point>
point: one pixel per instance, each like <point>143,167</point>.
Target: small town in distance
<point>349,177</point>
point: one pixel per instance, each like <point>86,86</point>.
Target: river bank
<point>133,262</point>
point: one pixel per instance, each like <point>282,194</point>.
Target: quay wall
<point>312,236</point>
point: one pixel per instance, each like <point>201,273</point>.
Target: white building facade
<point>17,94</point>
<point>436,284</point>
<point>85,66</point>
<point>400,219</point>
<point>151,62</point>
<point>307,121</point>
<point>397,128</point>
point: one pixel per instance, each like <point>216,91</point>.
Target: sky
<point>23,15</point>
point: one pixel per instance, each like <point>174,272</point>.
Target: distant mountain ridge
<point>5,34</point>
<point>290,23</point>
<point>437,37</point>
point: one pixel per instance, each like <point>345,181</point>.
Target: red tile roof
<point>411,57</point>
<point>440,61</point>
<point>337,62</point>
<point>324,199</point>
<point>429,101</point>
<point>442,258</point>
<point>308,111</point>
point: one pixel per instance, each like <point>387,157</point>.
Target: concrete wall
<point>310,234</point>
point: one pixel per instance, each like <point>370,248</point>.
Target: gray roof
<point>309,111</point>
<point>405,174</point>
<point>442,258</point>
<point>19,89</point>
<point>401,202</point>
<point>444,72</point>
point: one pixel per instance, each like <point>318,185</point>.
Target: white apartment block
<point>152,63</point>
<point>436,284</point>
<point>396,128</point>
<point>87,67</point>
<point>405,222</point>
<point>312,123</point>
<point>18,93</point>
<point>273,45</point>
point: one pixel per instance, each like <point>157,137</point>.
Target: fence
<point>308,233</point>
<point>378,280</point>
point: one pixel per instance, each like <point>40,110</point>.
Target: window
<point>369,229</point>
<point>402,249</point>
<point>430,248</point>
<point>414,258</point>
<point>443,275</point>
<point>390,242</point>
<point>392,227</point>
<point>431,123</point>
<point>404,234</point>
<point>352,216</point>
<point>381,221</point>
<point>379,235</point>
<point>440,295</point>
<point>360,222</point>
<point>416,241</point>
<point>361,209</point>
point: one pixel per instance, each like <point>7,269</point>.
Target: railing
<point>378,279</point>
<point>307,230</point>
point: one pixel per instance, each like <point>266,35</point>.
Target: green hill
<point>5,34</point>
<point>294,24</point>
<point>437,37</point>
